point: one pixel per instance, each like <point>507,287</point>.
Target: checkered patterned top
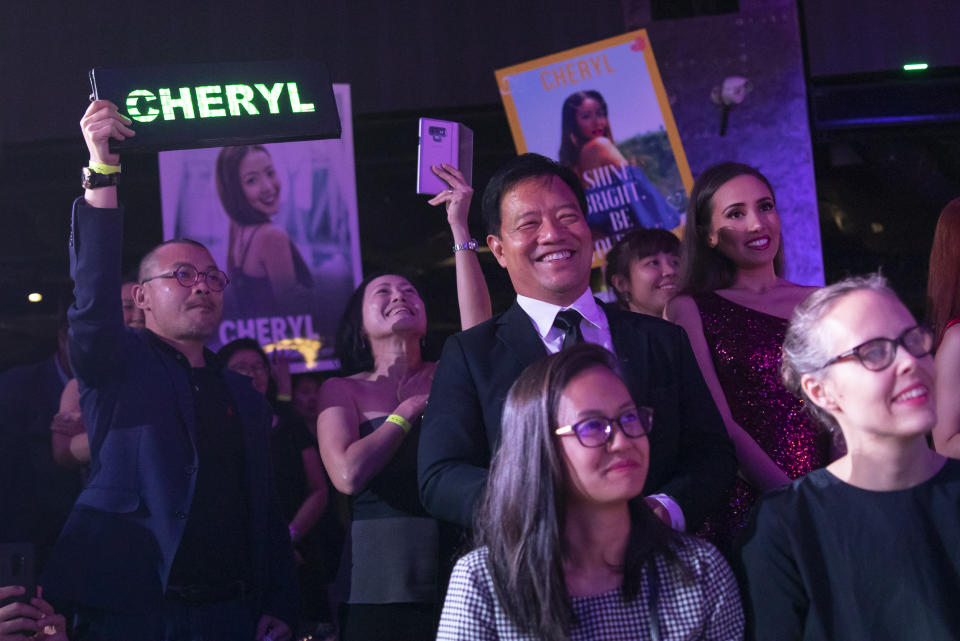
<point>706,608</point>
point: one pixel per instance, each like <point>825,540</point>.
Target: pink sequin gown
<point>745,346</point>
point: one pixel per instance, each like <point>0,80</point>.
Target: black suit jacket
<point>691,457</point>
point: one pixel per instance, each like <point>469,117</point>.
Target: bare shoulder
<point>600,151</point>
<point>681,309</point>
<point>340,391</point>
<point>270,238</point>
<point>949,348</point>
<point>799,293</point>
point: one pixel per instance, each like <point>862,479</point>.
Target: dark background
<point>885,143</point>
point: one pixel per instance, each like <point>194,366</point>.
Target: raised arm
<point>472,293</point>
<point>757,467</point>
<point>352,461</point>
<point>96,239</point>
<point>946,434</point>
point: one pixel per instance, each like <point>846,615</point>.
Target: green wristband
<point>402,422</point>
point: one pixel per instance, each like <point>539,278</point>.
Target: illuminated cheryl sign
<point>210,105</point>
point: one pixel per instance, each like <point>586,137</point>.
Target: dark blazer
<point>691,457</point>
<point>119,543</point>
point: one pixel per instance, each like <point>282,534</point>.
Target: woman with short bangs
<point>568,549</point>
<point>643,270</point>
<point>866,548</point>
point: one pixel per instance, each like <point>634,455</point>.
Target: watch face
<point>93,180</point>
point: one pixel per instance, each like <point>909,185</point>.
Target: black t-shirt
<point>215,548</point>
<point>823,559</point>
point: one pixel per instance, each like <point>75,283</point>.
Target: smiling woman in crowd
<point>368,429</point>
<point>643,270</point>
<point>568,547</point>
<point>867,547</point>
<point>735,306</point>
<point>265,267</point>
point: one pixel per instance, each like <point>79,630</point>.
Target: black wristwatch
<point>94,180</point>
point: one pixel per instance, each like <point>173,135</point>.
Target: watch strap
<point>91,179</point>
<point>471,244</point>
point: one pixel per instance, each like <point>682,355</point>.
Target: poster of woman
<point>282,221</point>
<point>601,110</point>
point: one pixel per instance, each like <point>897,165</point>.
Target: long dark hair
<point>231,194</point>
<point>522,516</point>
<point>570,138</point>
<point>943,283</point>
<point>705,268</point>
<point>350,343</point>
<point>636,245</point>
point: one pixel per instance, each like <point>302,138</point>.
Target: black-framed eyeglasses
<point>879,353</point>
<point>596,431</point>
<point>188,276</point>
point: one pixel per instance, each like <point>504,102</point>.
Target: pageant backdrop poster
<point>281,220</point>
<point>601,110</point>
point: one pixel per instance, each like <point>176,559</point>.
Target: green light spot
<point>915,66</point>
<point>240,95</point>
<point>168,104</point>
<point>272,95</point>
<point>295,104</point>
<point>207,97</point>
<point>133,105</point>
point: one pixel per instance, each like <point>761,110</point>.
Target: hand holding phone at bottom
<point>35,620</point>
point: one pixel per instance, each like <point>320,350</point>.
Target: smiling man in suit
<point>537,230</point>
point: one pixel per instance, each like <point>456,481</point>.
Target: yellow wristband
<point>284,397</point>
<point>103,168</point>
<point>402,422</point>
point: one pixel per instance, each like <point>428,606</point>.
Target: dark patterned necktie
<point>568,322</point>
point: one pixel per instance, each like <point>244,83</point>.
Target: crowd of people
<point>716,454</point>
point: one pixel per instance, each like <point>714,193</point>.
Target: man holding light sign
<point>177,534</point>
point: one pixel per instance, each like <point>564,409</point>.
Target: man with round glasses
<point>176,535</point>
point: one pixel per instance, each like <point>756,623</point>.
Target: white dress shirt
<point>595,329</point>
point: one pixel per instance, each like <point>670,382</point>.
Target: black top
<point>214,549</point>
<point>393,491</point>
<point>823,559</point>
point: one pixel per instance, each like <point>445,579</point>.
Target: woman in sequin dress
<point>735,309</point>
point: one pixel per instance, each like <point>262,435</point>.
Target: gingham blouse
<point>706,607</point>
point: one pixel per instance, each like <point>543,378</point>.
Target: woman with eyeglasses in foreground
<point>868,547</point>
<point>564,550</point>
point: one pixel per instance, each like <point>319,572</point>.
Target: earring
<point>627,297</point>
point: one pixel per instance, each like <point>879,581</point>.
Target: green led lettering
<point>207,97</point>
<point>272,95</point>
<point>295,104</point>
<point>167,104</point>
<point>133,105</point>
<point>238,95</point>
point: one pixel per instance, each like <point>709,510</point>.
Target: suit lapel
<point>631,348</point>
<point>516,331</point>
